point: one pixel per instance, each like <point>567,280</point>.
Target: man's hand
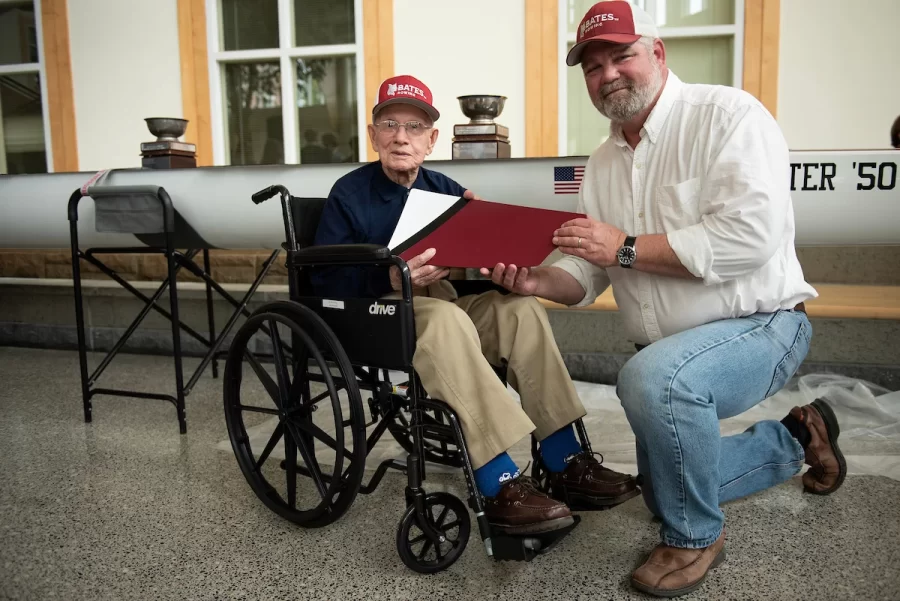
<point>469,195</point>
<point>592,240</point>
<point>519,280</point>
<point>421,274</point>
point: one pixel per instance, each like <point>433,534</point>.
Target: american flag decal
<point>567,180</point>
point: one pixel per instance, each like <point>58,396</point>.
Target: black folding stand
<point>175,260</point>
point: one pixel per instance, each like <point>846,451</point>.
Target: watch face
<point>626,255</point>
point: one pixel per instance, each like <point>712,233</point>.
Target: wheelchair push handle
<point>264,195</point>
<point>267,193</point>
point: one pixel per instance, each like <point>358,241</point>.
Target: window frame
<point>285,55</point>
<point>706,31</point>
<point>26,68</point>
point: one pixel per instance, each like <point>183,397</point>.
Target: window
<point>284,79</point>
<point>704,44</point>
<point>23,117</point>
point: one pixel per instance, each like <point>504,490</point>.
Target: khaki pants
<point>457,341</point>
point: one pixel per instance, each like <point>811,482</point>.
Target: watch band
<point>630,240</point>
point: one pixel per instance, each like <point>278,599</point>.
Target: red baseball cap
<point>613,21</point>
<point>405,89</point>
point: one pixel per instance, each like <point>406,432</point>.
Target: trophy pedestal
<point>499,149</point>
<point>481,141</point>
<point>168,155</point>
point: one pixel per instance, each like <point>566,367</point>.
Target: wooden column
<point>195,78</point>
<point>378,53</point>
<point>60,94</point>
<point>541,78</point>
<point>762,25</point>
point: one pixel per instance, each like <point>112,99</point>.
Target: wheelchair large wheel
<point>442,451</point>
<point>448,519</point>
<point>274,408</point>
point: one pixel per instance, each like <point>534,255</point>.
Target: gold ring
<point>579,242</point>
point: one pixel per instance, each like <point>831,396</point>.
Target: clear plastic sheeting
<point>869,417</point>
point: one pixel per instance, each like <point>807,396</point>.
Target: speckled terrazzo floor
<point>126,508</point>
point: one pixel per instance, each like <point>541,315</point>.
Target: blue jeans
<point>674,393</point>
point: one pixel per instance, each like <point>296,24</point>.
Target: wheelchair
<point>351,345</point>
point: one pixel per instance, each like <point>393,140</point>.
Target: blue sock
<point>493,474</point>
<point>558,446</point>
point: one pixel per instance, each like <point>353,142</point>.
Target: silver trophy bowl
<point>166,128</point>
<point>481,108</point>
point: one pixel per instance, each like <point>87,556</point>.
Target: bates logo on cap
<point>596,21</point>
<point>405,89</point>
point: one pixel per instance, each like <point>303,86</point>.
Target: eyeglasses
<point>414,129</point>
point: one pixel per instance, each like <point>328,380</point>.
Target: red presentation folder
<point>479,233</point>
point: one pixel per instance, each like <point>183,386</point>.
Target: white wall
<point>838,84</point>
<point>125,67</point>
<point>465,47</point>
<point>839,80</point>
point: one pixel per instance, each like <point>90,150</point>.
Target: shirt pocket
<point>678,205</point>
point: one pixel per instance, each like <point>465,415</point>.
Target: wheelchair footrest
<point>527,547</point>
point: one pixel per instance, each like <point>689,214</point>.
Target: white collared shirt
<point>712,171</point>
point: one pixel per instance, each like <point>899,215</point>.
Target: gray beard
<point>624,107</point>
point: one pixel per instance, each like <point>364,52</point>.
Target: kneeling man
<point>690,220</point>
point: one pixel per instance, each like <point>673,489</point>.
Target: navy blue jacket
<point>364,207</point>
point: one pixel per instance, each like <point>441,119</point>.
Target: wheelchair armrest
<point>341,254</point>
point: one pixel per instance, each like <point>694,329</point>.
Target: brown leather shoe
<point>586,484</point>
<point>827,466</point>
<point>672,572</point>
<point>520,508</point>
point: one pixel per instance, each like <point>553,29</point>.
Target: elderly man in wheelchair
<point>356,312</point>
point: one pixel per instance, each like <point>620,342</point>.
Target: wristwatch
<point>627,255</point>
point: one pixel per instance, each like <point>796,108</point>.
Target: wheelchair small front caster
<point>437,546</point>
<point>532,544</point>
